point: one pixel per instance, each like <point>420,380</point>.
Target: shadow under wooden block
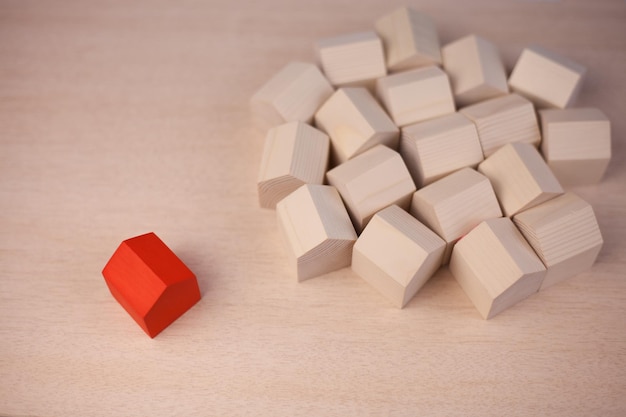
<point>294,154</point>
<point>576,144</point>
<point>372,181</point>
<point>294,93</point>
<point>316,229</point>
<point>546,78</point>
<point>564,233</point>
<point>355,59</point>
<point>416,95</point>
<point>396,254</point>
<point>455,204</point>
<point>496,267</point>
<point>152,284</point>
<point>355,123</point>
<point>520,177</point>
<point>438,147</point>
<point>475,69</point>
<point>410,39</point>
<point>501,120</point>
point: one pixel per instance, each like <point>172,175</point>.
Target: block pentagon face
<point>520,177</point>
<point>152,284</point>
<point>372,181</point>
<point>438,147</point>
<point>546,78</point>
<point>416,95</point>
<point>501,120</point>
<point>576,144</point>
<point>355,59</point>
<point>410,39</point>
<point>455,204</point>
<point>294,154</point>
<point>294,93</point>
<point>316,229</point>
<point>355,123</point>
<point>496,267</point>
<point>565,235</point>
<point>397,254</point>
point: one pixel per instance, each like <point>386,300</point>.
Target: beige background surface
<point>119,118</point>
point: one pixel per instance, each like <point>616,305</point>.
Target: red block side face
<point>152,284</point>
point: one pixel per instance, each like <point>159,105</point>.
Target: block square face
<point>416,95</point>
<point>294,93</point>
<point>520,177</point>
<point>454,205</point>
<point>372,181</point>
<point>496,267</point>
<point>503,120</point>
<point>546,78</point>
<point>475,69</point>
<point>356,59</point>
<point>576,144</point>
<point>152,284</point>
<point>294,154</point>
<point>355,123</point>
<point>564,233</point>
<point>410,39</point>
<point>316,230</point>
<point>397,254</point>
<point>438,147</point>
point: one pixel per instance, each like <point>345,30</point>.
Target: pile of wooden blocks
<point>396,156</point>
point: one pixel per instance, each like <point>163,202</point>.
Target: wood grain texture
<point>118,118</point>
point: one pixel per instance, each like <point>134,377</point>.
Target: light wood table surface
<point>123,117</point>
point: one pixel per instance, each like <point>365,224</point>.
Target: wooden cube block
<point>475,69</point>
<point>454,205</point>
<point>316,230</point>
<point>355,123</point>
<point>416,95</point>
<point>496,267</point>
<point>410,39</point>
<point>295,154</point>
<point>396,254</point>
<point>564,233</point>
<point>546,78</point>
<point>372,181</point>
<point>356,59</point>
<point>503,120</point>
<point>576,144</point>
<point>152,284</point>
<point>520,177</point>
<point>438,147</point>
<point>294,93</point>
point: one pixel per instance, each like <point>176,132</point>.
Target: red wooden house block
<point>152,284</point>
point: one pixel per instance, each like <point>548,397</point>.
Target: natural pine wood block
<point>410,39</point>
<point>152,284</point>
<point>455,204</point>
<point>520,177</point>
<point>294,154</point>
<point>416,95</point>
<point>496,267</point>
<point>356,59</point>
<point>396,254</point>
<point>294,93</point>
<point>355,123</point>
<point>475,69</point>
<point>576,144</point>
<point>316,230</point>
<point>564,233</point>
<point>546,78</point>
<point>372,181</point>
<point>438,147</point>
<point>503,120</point>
